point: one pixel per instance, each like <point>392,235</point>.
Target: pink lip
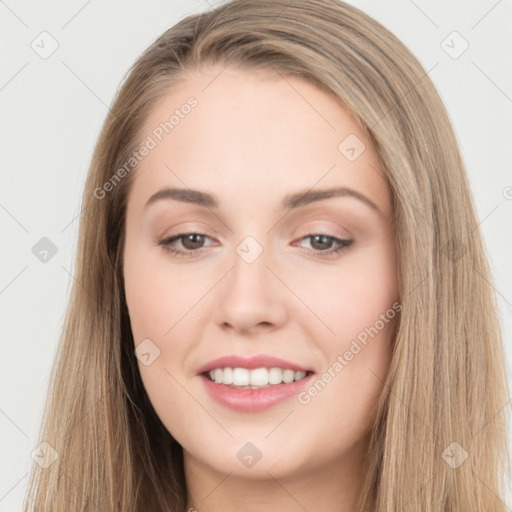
<point>260,361</point>
<point>253,400</point>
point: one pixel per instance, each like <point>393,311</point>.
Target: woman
<point>282,296</point>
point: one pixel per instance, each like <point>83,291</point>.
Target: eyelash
<point>166,244</point>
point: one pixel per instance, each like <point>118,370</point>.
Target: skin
<point>252,139</point>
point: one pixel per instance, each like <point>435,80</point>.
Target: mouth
<point>254,391</point>
<point>255,383</point>
<point>257,378</point>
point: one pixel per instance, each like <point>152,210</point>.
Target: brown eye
<point>322,245</point>
<point>191,244</point>
<point>321,242</point>
<point>192,241</point>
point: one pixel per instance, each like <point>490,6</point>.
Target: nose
<point>251,297</point>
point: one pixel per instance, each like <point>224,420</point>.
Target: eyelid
<point>182,234</point>
<point>341,245</point>
<point>318,226</point>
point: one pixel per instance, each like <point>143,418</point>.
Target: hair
<point>447,379</point>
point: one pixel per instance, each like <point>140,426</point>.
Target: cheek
<point>353,295</point>
<point>156,299</point>
<point>359,302</point>
<point>157,305</point>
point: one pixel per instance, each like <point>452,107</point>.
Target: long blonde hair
<point>445,394</point>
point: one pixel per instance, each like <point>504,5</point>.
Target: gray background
<point>52,110</point>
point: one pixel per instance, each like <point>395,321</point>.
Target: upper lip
<point>259,361</point>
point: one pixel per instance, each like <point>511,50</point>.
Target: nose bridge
<point>251,294</point>
<point>250,274</point>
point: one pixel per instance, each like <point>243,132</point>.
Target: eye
<point>193,243</point>
<point>190,241</point>
<point>322,242</point>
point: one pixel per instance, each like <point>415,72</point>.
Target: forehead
<point>252,135</point>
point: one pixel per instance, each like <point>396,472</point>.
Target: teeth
<point>253,379</point>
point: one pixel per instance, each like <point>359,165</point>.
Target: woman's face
<point>250,158</point>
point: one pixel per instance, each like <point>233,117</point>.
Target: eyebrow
<point>290,201</point>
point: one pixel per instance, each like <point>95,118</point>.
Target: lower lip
<point>253,400</point>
